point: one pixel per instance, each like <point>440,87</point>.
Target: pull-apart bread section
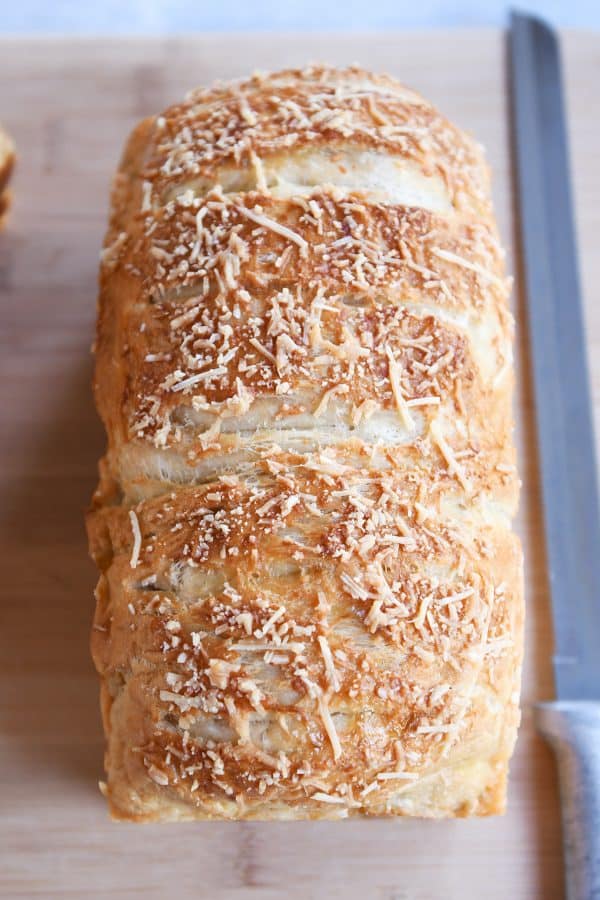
<point>310,600</point>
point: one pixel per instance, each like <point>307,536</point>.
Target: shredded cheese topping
<point>276,227</point>
<point>329,664</point>
<point>401,404</point>
<point>137,540</point>
<point>329,727</point>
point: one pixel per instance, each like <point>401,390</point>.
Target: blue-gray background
<point>180,16</point>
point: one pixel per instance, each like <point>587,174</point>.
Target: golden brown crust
<point>7,161</point>
<point>310,603</point>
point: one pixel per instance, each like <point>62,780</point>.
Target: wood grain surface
<point>69,105</point>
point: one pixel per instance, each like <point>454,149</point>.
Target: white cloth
<point>178,16</point>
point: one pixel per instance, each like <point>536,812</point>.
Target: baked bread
<point>310,601</point>
<point>7,160</point>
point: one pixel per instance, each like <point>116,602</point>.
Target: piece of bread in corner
<point>7,161</point>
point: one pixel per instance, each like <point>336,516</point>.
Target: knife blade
<point>565,438</point>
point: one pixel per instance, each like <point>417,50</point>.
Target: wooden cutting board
<point>69,105</point>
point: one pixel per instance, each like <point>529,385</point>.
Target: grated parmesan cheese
<point>322,797</point>
<point>465,264</point>
<point>394,375</point>
<point>329,664</point>
<point>329,727</point>
<point>137,540</point>
<point>453,466</point>
<point>276,227</point>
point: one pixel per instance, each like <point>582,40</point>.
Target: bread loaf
<point>310,600</point>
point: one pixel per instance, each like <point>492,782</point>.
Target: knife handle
<point>572,728</point>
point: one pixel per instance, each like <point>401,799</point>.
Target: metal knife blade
<point>571,724</point>
<point>556,335</point>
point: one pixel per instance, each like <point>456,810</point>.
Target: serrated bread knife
<point>565,439</point>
